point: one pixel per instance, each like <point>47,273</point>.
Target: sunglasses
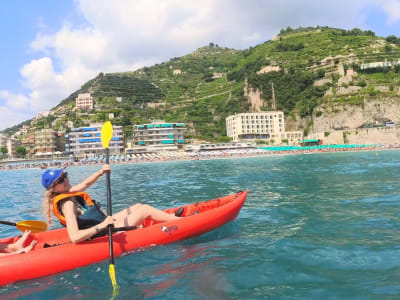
<point>62,178</point>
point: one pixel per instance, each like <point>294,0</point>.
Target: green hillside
<point>202,88</point>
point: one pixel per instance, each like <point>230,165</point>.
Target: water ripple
<point>313,227</point>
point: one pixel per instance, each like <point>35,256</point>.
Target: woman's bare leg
<point>136,214</point>
<point>18,245</point>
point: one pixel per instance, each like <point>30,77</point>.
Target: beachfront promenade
<point>199,155</point>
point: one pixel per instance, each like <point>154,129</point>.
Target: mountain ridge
<point>312,68</point>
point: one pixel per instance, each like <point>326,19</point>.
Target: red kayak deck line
<point>63,255</point>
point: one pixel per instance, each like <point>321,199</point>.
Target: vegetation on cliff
<point>309,67</point>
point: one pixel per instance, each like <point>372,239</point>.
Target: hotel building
<point>259,126</point>
<point>45,141</point>
<point>3,141</point>
<point>29,143</point>
<point>87,140</point>
<point>157,136</point>
<point>10,143</point>
<point>84,101</point>
<point>256,126</point>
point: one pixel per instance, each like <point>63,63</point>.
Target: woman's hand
<point>105,168</point>
<point>107,221</point>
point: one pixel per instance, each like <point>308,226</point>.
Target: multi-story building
<point>4,145</point>
<point>12,145</point>
<point>256,126</point>
<point>158,136</point>
<point>294,137</point>
<point>87,140</point>
<point>84,101</point>
<point>45,141</point>
<point>60,142</point>
<point>29,143</point>
<point>3,141</point>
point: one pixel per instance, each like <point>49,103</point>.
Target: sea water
<point>319,226</point>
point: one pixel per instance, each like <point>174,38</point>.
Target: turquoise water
<point>318,147</point>
<point>313,227</point>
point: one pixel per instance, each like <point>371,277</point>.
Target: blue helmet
<point>49,176</point>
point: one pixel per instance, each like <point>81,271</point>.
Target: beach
<point>187,155</point>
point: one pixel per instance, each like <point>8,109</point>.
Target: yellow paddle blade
<point>106,134</point>
<point>113,279</point>
<point>34,226</point>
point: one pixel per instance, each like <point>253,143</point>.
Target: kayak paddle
<point>106,135</point>
<point>33,226</point>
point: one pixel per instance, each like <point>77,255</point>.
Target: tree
<point>21,151</point>
<point>392,39</point>
<point>223,139</point>
<point>4,150</point>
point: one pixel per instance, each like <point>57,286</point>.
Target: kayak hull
<point>54,253</point>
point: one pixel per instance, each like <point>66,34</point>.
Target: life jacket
<point>92,215</point>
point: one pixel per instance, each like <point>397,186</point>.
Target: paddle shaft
<point>109,208</point>
<point>8,223</point>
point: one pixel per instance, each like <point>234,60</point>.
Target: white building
<point>12,145</point>
<point>293,137</point>
<point>84,101</point>
<point>256,126</point>
<point>221,146</point>
<point>3,141</point>
<point>378,64</point>
<point>42,114</point>
<point>87,140</point>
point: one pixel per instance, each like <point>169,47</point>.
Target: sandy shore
<point>178,156</point>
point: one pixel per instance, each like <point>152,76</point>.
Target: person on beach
<point>81,215</point>
<point>18,246</point>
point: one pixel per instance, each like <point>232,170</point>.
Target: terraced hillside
<point>312,71</point>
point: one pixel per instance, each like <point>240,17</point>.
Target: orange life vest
<point>56,201</point>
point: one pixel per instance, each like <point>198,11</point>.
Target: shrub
<point>372,91</point>
<point>362,83</point>
<point>393,39</point>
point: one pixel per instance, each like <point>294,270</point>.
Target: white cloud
<point>46,86</point>
<point>122,35</point>
<point>15,109</point>
<point>392,8</point>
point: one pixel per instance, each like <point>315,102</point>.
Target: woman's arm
<point>75,234</point>
<point>90,180</point>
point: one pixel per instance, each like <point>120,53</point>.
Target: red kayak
<point>54,252</point>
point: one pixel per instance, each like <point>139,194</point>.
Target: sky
<point>49,49</point>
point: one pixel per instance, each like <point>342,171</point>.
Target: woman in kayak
<point>18,246</point>
<point>81,215</point>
